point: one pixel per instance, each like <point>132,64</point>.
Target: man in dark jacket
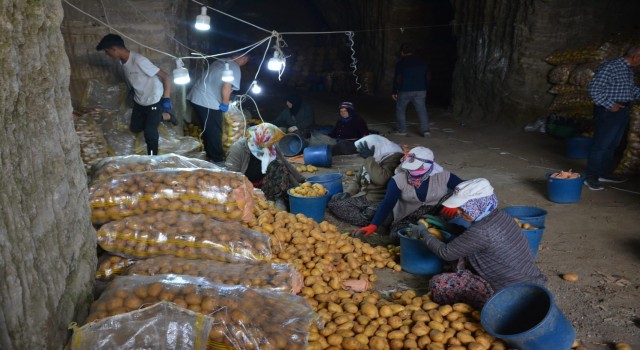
<point>410,85</point>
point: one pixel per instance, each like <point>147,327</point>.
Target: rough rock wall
<point>47,243</point>
<point>500,72</point>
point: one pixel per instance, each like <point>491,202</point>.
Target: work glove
<point>340,196</point>
<point>166,104</point>
<point>367,230</point>
<point>224,107</point>
<point>292,129</point>
<point>418,231</point>
<point>448,213</point>
<point>365,152</point>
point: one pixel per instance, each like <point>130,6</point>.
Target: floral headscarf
<point>478,208</point>
<point>261,140</point>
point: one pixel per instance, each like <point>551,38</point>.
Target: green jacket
<point>373,178</point>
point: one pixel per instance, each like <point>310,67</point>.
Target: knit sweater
<point>496,249</point>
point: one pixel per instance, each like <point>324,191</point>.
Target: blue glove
<point>418,231</point>
<point>166,104</point>
<point>224,107</point>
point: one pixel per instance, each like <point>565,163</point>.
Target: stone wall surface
<point>47,243</point>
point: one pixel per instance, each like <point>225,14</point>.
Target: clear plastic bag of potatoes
<point>110,266</point>
<point>193,236</point>
<point>161,326</point>
<point>120,165</point>
<point>234,126</point>
<point>245,318</point>
<point>264,275</point>
<point>221,194</point>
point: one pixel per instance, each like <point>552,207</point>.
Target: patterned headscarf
<point>478,208</point>
<point>261,140</point>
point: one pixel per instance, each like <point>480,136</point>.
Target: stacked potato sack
<point>93,145</point>
<point>234,126</point>
<point>573,71</point>
<point>218,270</point>
<point>630,163</point>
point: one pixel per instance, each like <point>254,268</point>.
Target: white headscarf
<point>384,147</point>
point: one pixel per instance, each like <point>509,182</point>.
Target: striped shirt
<point>613,83</point>
<point>496,249</point>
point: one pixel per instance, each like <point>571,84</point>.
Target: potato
<point>623,346</point>
<point>570,277</point>
<point>378,343</point>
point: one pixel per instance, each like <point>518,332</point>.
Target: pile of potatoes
<point>407,321</point>
<point>93,145</point>
<point>245,318</point>
<point>223,195</point>
<point>307,189</point>
<point>193,236</point>
<point>120,165</point>
<point>524,226</point>
<point>261,275</point>
<point>307,168</point>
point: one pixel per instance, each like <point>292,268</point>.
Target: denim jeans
<point>608,130</point>
<point>419,100</point>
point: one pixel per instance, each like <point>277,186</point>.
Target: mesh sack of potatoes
<point>233,127</point>
<point>263,275</point>
<point>572,101</point>
<point>630,162</point>
<point>110,266</point>
<point>585,54</point>
<point>93,145</point>
<point>223,195</point>
<point>560,74</point>
<point>120,165</point>
<point>566,89</point>
<point>582,74</point>
<point>161,326</point>
<point>245,318</point>
<point>193,236</point>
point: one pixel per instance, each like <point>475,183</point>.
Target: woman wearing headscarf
<point>298,117</point>
<point>257,156</point>
<point>492,253</point>
<point>358,203</point>
<point>412,192</point>
<point>349,127</point>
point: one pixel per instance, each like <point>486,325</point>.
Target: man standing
<point>410,85</point>
<point>612,90</point>
<point>210,97</point>
<point>151,86</point>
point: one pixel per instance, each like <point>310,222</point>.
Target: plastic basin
<point>564,190</point>
<point>311,207</point>
<point>416,258</point>
<point>292,145</point>
<point>528,215</point>
<point>318,155</point>
<point>332,182</point>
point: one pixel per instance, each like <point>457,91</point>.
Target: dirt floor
<point>597,238</point>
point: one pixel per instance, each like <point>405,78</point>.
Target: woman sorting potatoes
<point>257,156</point>
<point>412,192</point>
<point>492,253</point>
<point>359,202</point>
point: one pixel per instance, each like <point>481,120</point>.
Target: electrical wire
<point>228,15</point>
<point>354,61</point>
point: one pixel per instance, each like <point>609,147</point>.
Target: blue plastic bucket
<point>564,190</point>
<point>332,182</point>
<point>534,237</point>
<point>525,316</point>
<point>528,215</point>
<point>311,207</point>
<point>318,155</point>
<point>578,147</point>
<point>292,145</point>
<point>416,258</point>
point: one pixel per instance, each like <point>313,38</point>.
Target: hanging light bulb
<point>255,88</point>
<point>180,74</point>
<point>227,73</point>
<point>275,63</point>
<point>202,20</point>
